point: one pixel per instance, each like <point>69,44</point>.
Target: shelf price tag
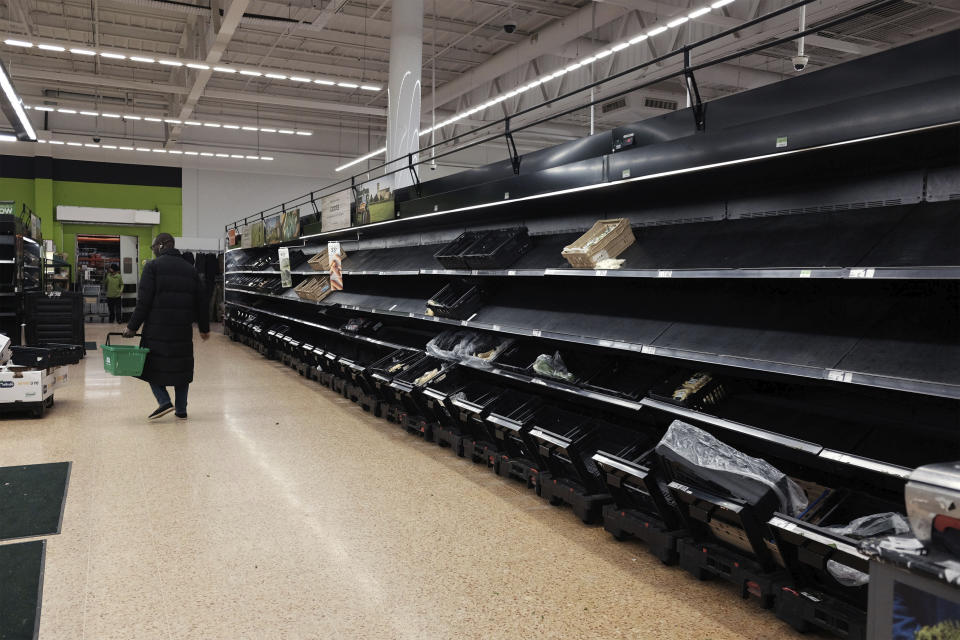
<point>537,333</point>
<point>511,273</point>
<point>601,272</point>
<point>839,376</point>
<point>496,327</point>
<point>862,273</point>
<point>665,273</point>
<point>806,273</point>
<point>647,349</point>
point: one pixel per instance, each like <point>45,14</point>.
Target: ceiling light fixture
<point>51,47</point>
<point>18,43</point>
<point>83,52</point>
<point>114,56</point>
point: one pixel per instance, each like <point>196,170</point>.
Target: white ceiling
<point>465,49</point>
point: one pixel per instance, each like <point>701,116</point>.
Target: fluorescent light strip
<point>134,56</point>
<point>552,76</point>
<point>174,121</point>
<point>176,152</point>
<point>8,138</point>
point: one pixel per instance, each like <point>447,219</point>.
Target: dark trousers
<point>163,396</point>
<point>115,306</point>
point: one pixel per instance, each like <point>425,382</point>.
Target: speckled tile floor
<point>281,511</point>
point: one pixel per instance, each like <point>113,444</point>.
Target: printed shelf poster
<point>257,234</point>
<point>245,237</point>
<point>336,270</point>
<point>232,237</point>
<point>290,225</point>
<point>376,204</point>
<point>271,228</point>
<point>335,211</point>
<point>283,255</point>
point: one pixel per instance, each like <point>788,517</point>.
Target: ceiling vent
<point>660,103</point>
<point>614,105</point>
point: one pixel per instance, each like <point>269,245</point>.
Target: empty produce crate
<point>458,300</point>
<point>497,249</point>
<point>509,422</point>
<point>450,255</point>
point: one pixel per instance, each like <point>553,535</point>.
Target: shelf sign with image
<point>375,203</point>
<point>256,234</point>
<point>335,211</point>
<point>246,237</point>
<point>283,254</point>
<point>336,266</point>
<point>232,237</point>
<point>271,228</point>
<point>290,225</point>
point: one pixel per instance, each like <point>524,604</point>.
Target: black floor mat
<point>32,499</point>
<point>21,586</point>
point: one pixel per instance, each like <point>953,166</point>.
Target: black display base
<point>303,368</point>
<point>367,402</point>
<point>586,506</point>
<point>393,413</point>
<point>807,610</point>
<point>518,469</point>
<point>419,426</point>
<point>629,523</point>
<point>338,385</point>
<point>448,437</point>
<point>481,452</point>
<point>706,559</point>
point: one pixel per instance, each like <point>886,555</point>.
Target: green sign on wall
<point>6,208</point>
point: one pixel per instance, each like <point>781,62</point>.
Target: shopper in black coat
<point>170,299</point>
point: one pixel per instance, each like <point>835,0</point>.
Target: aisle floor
<point>282,511</point>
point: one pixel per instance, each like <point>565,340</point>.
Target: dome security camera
<point>800,62</point>
<point>96,139</point>
<point>509,26</point>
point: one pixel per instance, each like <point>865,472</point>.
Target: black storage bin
<point>437,394</point>
<point>381,373</point>
<point>41,357</point>
<point>457,300</point>
<point>449,256</point>
<point>497,249</point>
<point>54,318</point>
<point>626,378</point>
<point>408,387</point>
<point>520,357</point>
<point>363,326</point>
<point>297,258</point>
<point>471,406</point>
<point>508,423</point>
<point>709,394</point>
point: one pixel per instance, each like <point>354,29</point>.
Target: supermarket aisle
<point>283,511</point>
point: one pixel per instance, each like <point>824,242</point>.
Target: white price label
<point>537,333</point>
<point>496,327</point>
<point>862,273</point>
<point>411,314</point>
<point>435,207</point>
<point>601,272</point>
<point>464,323</point>
<point>511,273</point>
<point>649,350</point>
<point>539,381</point>
<point>625,173</point>
<point>806,273</point>
<point>474,272</point>
<point>839,376</point>
<point>506,195</point>
<point>664,273</point>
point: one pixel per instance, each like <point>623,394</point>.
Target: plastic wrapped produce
<point>735,471</point>
<point>847,576</point>
<point>469,347</point>
<point>877,524</point>
<point>552,367</point>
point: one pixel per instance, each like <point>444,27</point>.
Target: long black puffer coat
<point>170,300</point>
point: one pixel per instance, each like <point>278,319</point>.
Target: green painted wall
<point>44,195</point>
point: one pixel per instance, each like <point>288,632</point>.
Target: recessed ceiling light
<point>89,113</point>
<point>109,146</point>
<point>172,121</point>
<point>142,59</point>
<point>127,116</point>
<point>51,47</point>
<point>304,133</point>
<point>288,132</point>
<point>197,65</point>
<point>328,83</point>
<point>43,108</point>
<point>114,56</point>
<point>92,146</point>
<point>74,144</point>
<point>110,115</point>
<point>299,79</point>
<point>171,63</point>
<point>190,153</point>
<point>192,123</point>
<point>253,157</point>
<point>251,128</point>
<point>206,154</point>
<point>235,155</point>
<point>18,43</point>
<point>276,76</point>
<point>347,85</point>
<point>266,158</point>
<point>215,125</point>
<point>142,149</point>
<point>83,52</point>
<point>224,69</point>
<point>8,138</point>
<point>159,150</point>
<point>66,111</point>
<point>56,142</point>
<point>248,72</point>
<point>266,130</point>
<point>369,87</point>
<point>223,155</point>
<point>231,126</point>
<point>150,119</point>
<point>175,152</point>
<point>126,148</point>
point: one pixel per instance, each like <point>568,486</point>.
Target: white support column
<point>406,59</point>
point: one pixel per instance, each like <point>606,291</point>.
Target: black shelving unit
<point>826,310</point>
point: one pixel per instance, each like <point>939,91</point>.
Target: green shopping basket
<point>123,360</point>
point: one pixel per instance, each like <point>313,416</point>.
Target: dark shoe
<point>161,411</point>
<point>181,416</point>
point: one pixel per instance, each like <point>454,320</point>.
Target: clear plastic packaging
<point>847,576</point>
<point>469,347</point>
<point>734,470</point>
<point>877,524</point>
<point>553,367</point>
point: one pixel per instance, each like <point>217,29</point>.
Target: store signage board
<point>375,203</point>
<point>335,211</point>
<point>290,225</point>
<point>232,237</point>
<point>246,239</point>
<point>336,259</point>
<point>6,208</point>
<point>272,231</point>
<point>285,278</point>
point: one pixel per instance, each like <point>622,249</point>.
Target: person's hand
<point>129,333</point>
<point>205,336</point>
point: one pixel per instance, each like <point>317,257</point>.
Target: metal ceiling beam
<point>21,71</point>
<point>297,103</point>
<point>553,37</point>
<point>224,33</point>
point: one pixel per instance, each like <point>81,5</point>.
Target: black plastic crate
<point>381,373</point>
<point>636,483</point>
<point>35,357</point>
<point>712,392</point>
<point>458,300</point>
<point>509,419</point>
<point>497,249</point>
<point>363,326</point>
<point>626,378</point>
<point>437,394</point>
<point>297,258</point>
<point>563,442</point>
<point>521,356</point>
<point>408,384</point>
<point>450,255</point>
